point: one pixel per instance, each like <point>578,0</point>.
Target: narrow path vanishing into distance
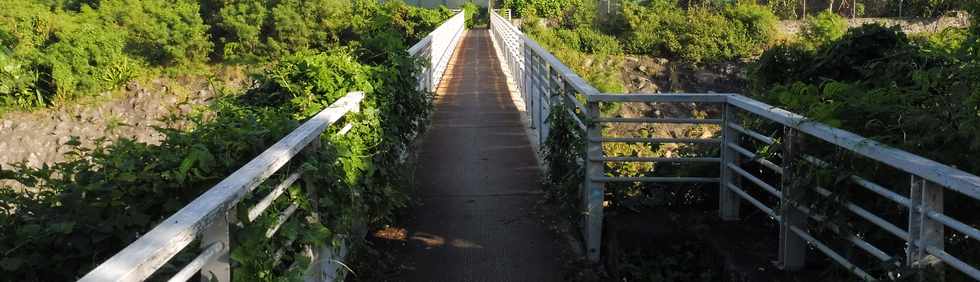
<point>478,182</point>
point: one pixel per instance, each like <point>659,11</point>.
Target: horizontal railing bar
<point>943,175</point>
<point>659,98</point>
<point>654,140</point>
<point>281,220</point>
<point>264,204</point>
<point>756,180</point>
<point>152,250</point>
<point>756,158</point>
<point>884,192</point>
<point>661,120</point>
<point>347,127</point>
<point>277,256</point>
<point>952,223</point>
<point>574,117</point>
<point>573,79</point>
<point>752,200</point>
<point>654,160</point>
<point>193,267</point>
<point>414,50</point>
<point>954,262</point>
<point>864,245</point>
<point>867,215</point>
<point>574,101</point>
<point>655,179</point>
<point>832,254</point>
<point>753,134</point>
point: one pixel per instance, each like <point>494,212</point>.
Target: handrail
<point>151,251</point>
<point>437,49</point>
<point>544,82</point>
<point>208,217</point>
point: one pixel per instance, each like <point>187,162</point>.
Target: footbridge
<point>504,103</point>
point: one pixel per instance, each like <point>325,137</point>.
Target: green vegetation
<point>476,16</point>
<point>876,81</point>
<point>52,52</point>
<point>822,29</point>
<point>77,213</point>
<point>540,8</point>
<point>699,34</point>
<point>55,52</point>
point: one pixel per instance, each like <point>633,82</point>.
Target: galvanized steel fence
<point>774,186</point>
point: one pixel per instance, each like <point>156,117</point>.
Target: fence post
<point>526,81</point>
<point>924,232</point>
<point>594,190</point>
<point>219,268</point>
<point>309,153</point>
<point>729,202</point>
<point>792,248</point>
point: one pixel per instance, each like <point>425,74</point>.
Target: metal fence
<point>544,82</point>
<point>207,219</point>
<point>437,49</point>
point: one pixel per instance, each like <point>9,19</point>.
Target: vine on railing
<point>563,153</point>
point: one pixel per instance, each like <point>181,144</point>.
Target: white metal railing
<point>544,82</point>
<point>208,217</point>
<point>437,49</point>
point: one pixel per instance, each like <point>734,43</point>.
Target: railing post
<point>316,274</point>
<point>729,202</point>
<point>924,232</point>
<point>309,180</point>
<point>528,71</point>
<point>792,247</point>
<point>594,190</point>
<point>219,268</point>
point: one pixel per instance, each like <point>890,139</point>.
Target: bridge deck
<point>478,182</point>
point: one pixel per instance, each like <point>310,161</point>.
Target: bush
<point>946,43</point>
<point>163,32</point>
<point>475,15</point>
<point>18,83</point>
<point>67,49</point>
<point>87,58</point>
<point>699,34</point>
<point>554,9</point>
<point>595,57</point>
<point>824,28</point>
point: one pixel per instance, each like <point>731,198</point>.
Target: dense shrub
<point>475,15</point>
<point>700,34</point>
<point>60,50</point>
<point>596,57</point>
<point>825,27</point>
<point>874,73</point>
<point>162,32</point>
<point>256,30</point>
<point>539,8</point>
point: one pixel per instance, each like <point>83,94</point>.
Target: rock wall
<point>38,137</point>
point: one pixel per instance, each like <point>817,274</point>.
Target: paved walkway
<point>478,182</point>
